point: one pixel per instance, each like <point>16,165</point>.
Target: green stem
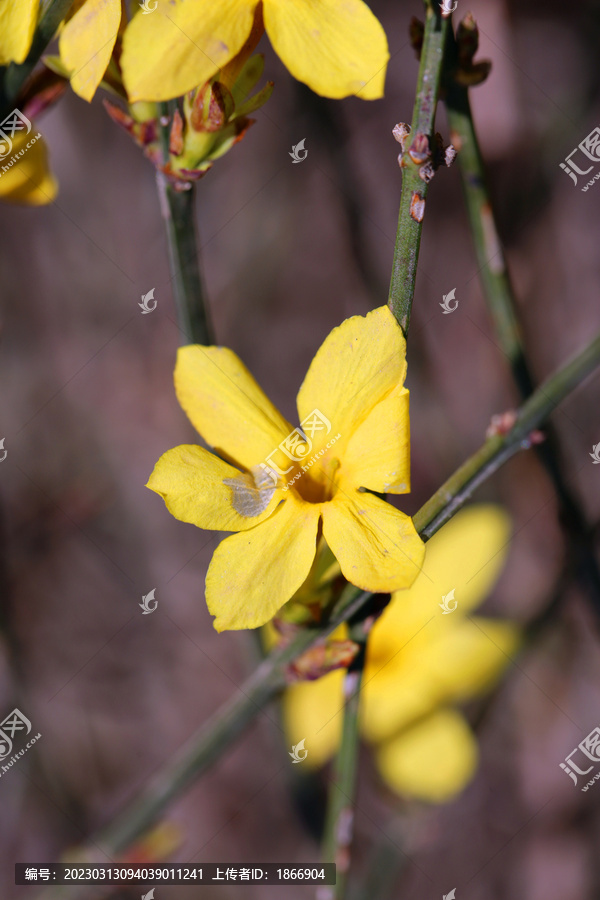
<point>269,679</point>
<point>497,449</point>
<point>502,304</point>
<point>16,75</point>
<point>177,208</point>
<point>340,813</point>
<point>414,187</point>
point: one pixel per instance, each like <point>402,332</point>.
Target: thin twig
<point>269,679</point>
<point>502,304</point>
<point>339,821</point>
<point>418,150</point>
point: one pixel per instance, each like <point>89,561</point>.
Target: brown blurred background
<point>88,406</point>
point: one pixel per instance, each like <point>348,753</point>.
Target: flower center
<point>316,480</point>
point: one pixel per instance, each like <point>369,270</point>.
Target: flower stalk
<point>417,162</point>
<point>209,743</point>
<point>177,208</point>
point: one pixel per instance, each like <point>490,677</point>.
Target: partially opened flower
<point>421,661</point>
<point>280,487</point>
<point>336,47</point>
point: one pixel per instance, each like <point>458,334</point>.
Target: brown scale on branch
<point>422,152</point>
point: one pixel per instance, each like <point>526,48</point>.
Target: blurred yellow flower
<point>420,662</point>
<point>24,174</point>
<point>286,486</point>
<point>337,47</point>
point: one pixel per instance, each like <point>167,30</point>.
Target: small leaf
<point>257,101</point>
<point>248,78</point>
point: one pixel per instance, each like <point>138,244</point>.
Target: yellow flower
<point>24,173</point>
<point>420,662</point>
<point>354,412</point>
<point>336,47</point>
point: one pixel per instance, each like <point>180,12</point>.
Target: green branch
<point>417,162</point>
<point>210,741</point>
<point>339,820</point>
<point>501,301</point>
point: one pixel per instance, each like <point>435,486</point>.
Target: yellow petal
<point>378,453</point>
<point>200,488</point>
<point>437,665</point>
<point>359,363</point>
<point>86,44</point>
<point>336,47</point>
<point>254,573</point>
<point>226,405</point>
<point>313,711</point>
<point>394,695</point>
<point>433,761</point>
<point>27,179</point>
<point>182,44</point>
<point>17,24</point>
<point>376,546</point>
<point>466,660</point>
<point>466,556</point>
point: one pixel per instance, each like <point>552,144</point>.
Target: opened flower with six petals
<point>281,500</point>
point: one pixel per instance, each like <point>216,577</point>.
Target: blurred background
<point>288,251</point>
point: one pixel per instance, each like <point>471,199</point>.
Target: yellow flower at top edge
<point>424,655</point>
<point>86,43</point>
<point>17,24</point>
<point>281,488</point>
<point>337,47</point>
